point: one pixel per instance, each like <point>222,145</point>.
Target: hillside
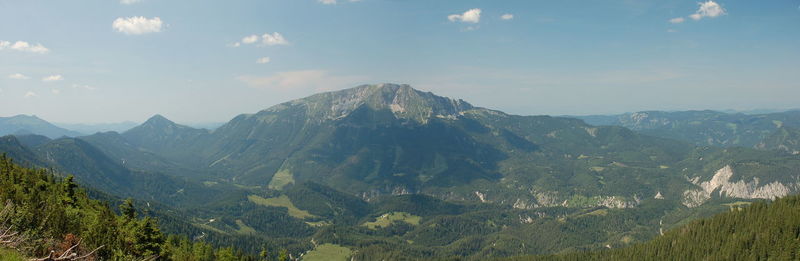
<point>760,231</point>
<point>44,213</point>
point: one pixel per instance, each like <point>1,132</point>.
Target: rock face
<point>722,184</point>
<point>402,100</point>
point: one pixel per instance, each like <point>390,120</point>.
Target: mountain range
<point>388,170</point>
<point>712,128</point>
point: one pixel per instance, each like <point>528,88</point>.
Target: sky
<point>193,61</point>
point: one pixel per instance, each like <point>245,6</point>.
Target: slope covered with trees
<point>43,213</point>
<point>761,231</point>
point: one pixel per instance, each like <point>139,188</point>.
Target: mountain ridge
<point>31,124</point>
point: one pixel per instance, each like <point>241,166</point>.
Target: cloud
<point>266,39</point>
<point>250,39</point>
<point>677,20</point>
<point>672,31</point>
<point>315,80</point>
<point>470,16</point>
<point>55,91</point>
<point>23,46</point>
<point>137,25</point>
<point>708,9</point>
<point>53,78</point>
<point>263,60</point>
<point>274,39</point>
<point>129,2</point>
<point>507,16</point>
<point>18,76</point>
<point>31,94</point>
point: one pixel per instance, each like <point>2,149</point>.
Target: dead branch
<point>68,255</point>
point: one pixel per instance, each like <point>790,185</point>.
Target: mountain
<point>13,149</point>
<point>158,134</point>
<point>94,168</point>
<point>32,140</point>
<point>98,127</point>
<point>704,128</point>
<point>89,164</point>
<point>384,139</point>
<point>24,124</point>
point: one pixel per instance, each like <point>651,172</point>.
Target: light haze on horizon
<point>97,61</point>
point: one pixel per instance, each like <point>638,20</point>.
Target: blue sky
<point>194,61</point>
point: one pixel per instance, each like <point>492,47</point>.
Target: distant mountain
<point>24,124</point>
<point>704,128</point>
<point>98,127</point>
<point>165,138</point>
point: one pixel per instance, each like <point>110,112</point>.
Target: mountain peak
<point>158,118</point>
<point>402,100</point>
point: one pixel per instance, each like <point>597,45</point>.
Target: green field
<point>326,252</point>
<point>282,201</point>
<point>244,229</point>
<point>281,178</point>
<point>387,219</point>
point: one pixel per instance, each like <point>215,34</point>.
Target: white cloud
<point>677,20</point>
<point>129,2</point>
<point>507,16</point>
<point>55,91</point>
<point>263,60</point>
<point>250,39</point>
<point>672,31</point>
<point>53,78</point>
<point>314,80</point>
<point>266,39</point>
<point>31,94</point>
<point>23,46</point>
<point>18,76</point>
<point>137,25</point>
<point>274,39</point>
<point>470,16</point>
<point>709,9</point>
